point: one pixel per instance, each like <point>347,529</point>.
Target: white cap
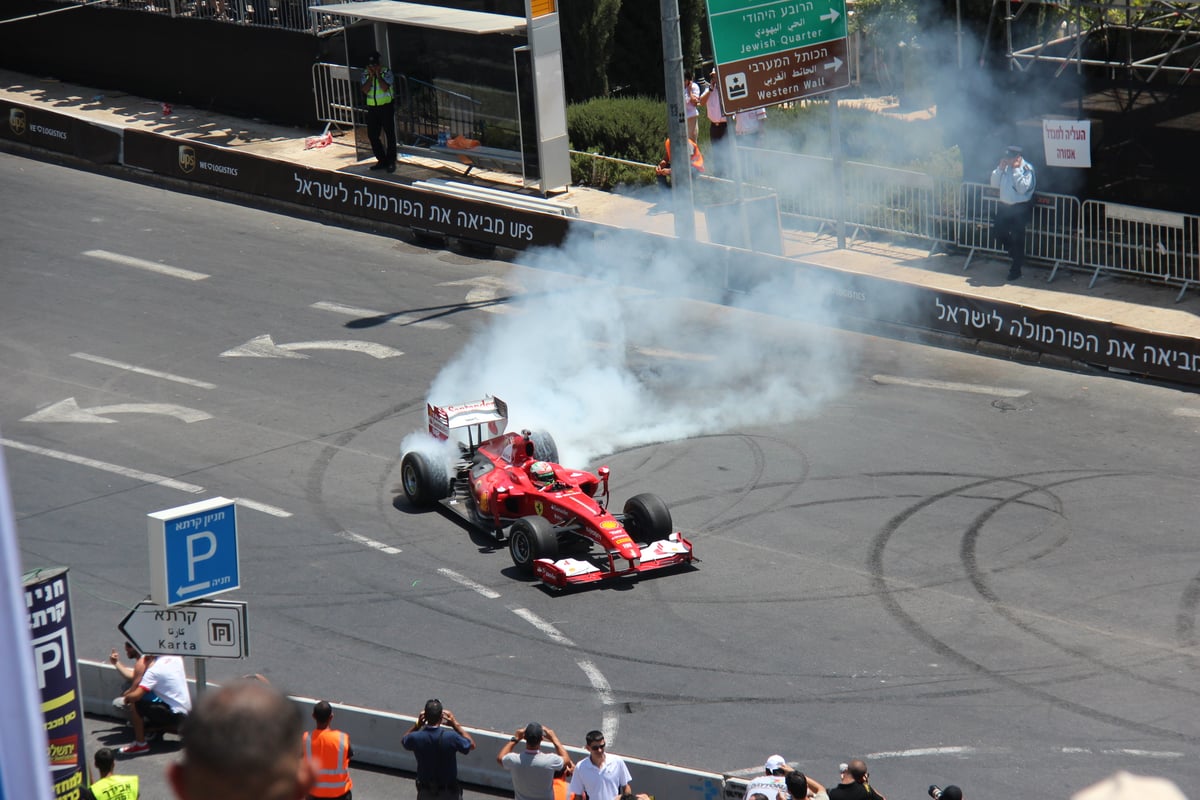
<point>774,763</point>
<point>1124,786</point>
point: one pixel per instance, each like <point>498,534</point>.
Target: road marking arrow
<point>69,411</point>
<point>488,293</point>
<point>265,347</point>
<point>831,16</point>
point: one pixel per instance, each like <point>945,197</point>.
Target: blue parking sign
<point>193,551</point>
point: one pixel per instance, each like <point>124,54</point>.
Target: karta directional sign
<point>193,551</point>
<point>774,52</point>
<point>204,629</point>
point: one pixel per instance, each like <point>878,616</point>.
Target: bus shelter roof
<point>422,16</point>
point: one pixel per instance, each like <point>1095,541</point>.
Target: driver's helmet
<point>542,472</point>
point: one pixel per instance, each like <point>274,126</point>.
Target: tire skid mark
<point>976,576</point>
<point>887,599</point>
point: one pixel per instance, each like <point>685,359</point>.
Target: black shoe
<point>391,167</point>
<point>378,166</point>
<point>1014,274</point>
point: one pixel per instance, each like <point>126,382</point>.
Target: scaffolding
<point>1148,46</point>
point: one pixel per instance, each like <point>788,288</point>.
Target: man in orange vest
<point>328,751</point>
<point>663,171</point>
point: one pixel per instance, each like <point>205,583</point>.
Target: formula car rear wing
<point>491,412</point>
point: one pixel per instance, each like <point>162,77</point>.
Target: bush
<point>630,128</point>
<point>634,128</point>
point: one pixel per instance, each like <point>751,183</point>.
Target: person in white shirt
<point>602,776</point>
<point>159,702</point>
<point>771,783</point>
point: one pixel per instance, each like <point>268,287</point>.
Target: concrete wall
<point>376,738</point>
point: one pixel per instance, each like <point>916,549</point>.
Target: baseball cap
<point>774,763</point>
<point>1012,150</point>
<point>1125,786</point>
<point>373,59</point>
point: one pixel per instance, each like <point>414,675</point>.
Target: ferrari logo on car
<point>538,508</point>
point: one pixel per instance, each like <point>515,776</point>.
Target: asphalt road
<point>968,570</point>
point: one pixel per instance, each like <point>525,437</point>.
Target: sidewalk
<point>1129,307</point>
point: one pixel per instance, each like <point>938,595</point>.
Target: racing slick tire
<point>529,539</point>
<point>425,479</point>
<point>544,448</point>
<point>647,518</point>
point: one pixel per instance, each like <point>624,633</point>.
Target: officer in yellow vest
<point>378,88</point>
<point>328,752</point>
<point>109,786</point>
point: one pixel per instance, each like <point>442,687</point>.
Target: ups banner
<point>343,193</point>
<point>1090,341</point>
<point>61,133</point>
<point>1159,355</point>
<point>850,300</point>
<point>189,160</point>
<point>413,208</point>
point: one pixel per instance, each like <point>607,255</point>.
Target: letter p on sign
<point>205,539</point>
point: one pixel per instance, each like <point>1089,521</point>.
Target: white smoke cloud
<point>606,350</point>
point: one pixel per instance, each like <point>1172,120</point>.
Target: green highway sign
<point>747,29</point>
<point>777,51</point>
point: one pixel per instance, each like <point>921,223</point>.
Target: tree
<point>588,28</point>
<point>637,61</point>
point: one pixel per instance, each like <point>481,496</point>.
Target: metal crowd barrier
<point>1161,245</point>
<point>288,14</point>
<point>336,94</point>
<point>1051,236</point>
<point>793,178</point>
<point>888,200</point>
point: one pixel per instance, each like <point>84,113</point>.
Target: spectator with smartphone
<point>436,739</point>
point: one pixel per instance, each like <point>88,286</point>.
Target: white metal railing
<point>1063,231</point>
<point>1160,245</point>
<point>336,96</point>
<point>288,14</point>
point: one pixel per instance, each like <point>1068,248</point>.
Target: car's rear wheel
<point>426,480</point>
<point>544,448</point>
<point>529,539</point>
<point>647,518</point>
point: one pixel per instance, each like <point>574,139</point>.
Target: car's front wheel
<point>529,539</point>
<point>426,480</point>
<point>647,518</point>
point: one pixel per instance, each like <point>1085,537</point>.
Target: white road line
<point>263,507</point>
<point>542,625</point>
<point>1186,412</point>
<point>470,584</point>
<point>1143,753</point>
<point>1087,751</point>
<point>949,386</point>
<point>152,266</point>
<point>396,319</point>
<point>924,751</point>
<point>153,373</point>
<point>609,720</point>
<point>363,540</point>
<point>137,475</point>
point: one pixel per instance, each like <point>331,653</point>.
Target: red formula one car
<point>511,486</point>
